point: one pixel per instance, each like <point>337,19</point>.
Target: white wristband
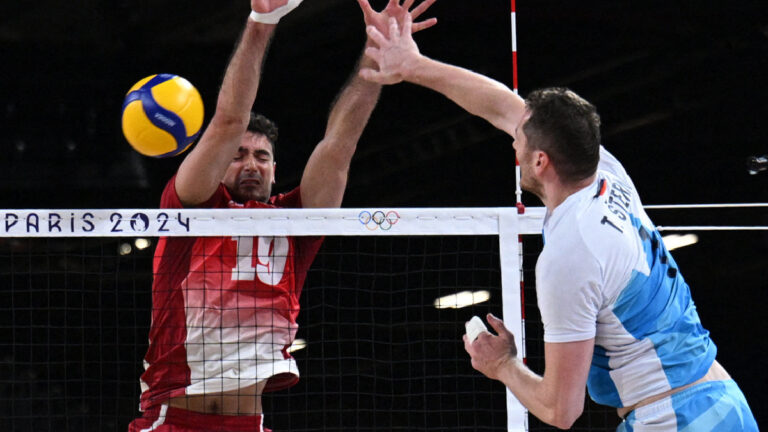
<point>274,16</point>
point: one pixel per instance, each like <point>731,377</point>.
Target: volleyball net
<point>382,314</point>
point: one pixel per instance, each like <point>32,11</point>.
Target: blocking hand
<point>395,54</point>
<point>380,20</point>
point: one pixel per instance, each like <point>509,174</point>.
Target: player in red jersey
<point>224,308</point>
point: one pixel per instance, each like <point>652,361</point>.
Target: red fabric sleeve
<point>291,199</point>
<point>170,198</point>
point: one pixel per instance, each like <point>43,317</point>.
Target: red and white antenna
<point>518,190</point>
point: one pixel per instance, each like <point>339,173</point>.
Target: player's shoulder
<point>605,226</point>
<point>566,233</point>
<point>602,217</point>
<point>568,255</point>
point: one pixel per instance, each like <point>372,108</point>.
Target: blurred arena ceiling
<point>675,82</point>
<point>102,22</point>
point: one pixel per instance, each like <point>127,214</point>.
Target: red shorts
<point>162,418</point>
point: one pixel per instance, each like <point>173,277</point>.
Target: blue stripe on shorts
<point>709,406</point>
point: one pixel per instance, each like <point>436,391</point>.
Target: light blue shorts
<point>710,406</point>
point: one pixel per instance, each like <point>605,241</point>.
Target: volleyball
<point>162,115</point>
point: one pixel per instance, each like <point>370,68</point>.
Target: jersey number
<point>271,255</point>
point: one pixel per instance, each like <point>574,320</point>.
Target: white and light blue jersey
<point>604,273</point>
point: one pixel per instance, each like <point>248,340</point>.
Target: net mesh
<point>380,356</point>
<point>75,314</point>
<point>73,318</point>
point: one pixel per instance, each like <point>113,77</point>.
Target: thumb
<point>371,75</point>
<point>366,74</point>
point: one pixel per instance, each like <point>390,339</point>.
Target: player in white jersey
<point>617,314</point>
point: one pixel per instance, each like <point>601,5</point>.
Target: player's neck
<point>555,193</point>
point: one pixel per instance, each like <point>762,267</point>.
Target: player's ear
<point>274,171</point>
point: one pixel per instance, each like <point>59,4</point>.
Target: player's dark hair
<point>567,128</point>
<point>260,124</point>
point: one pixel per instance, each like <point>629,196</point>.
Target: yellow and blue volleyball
<point>162,115</point>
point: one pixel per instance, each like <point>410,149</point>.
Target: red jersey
<point>224,308</point>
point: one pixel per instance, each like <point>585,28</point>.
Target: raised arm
<point>203,169</point>
<point>398,59</point>
<point>557,397</point>
<point>325,175</point>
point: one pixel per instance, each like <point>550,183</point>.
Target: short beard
<point>533,186</point>
<point>254,196</point>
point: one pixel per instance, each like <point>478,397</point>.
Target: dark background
<point>680,85</point>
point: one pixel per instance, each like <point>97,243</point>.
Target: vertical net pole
<point>517,415</point>
<point>509,232</point>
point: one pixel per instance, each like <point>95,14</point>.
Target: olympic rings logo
<point>379,219</point>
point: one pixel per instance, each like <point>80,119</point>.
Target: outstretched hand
<point>490,354</point>
<point>395,54</point>
<point>380,20</point>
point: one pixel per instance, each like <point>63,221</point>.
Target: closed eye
<point>263,155</point>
